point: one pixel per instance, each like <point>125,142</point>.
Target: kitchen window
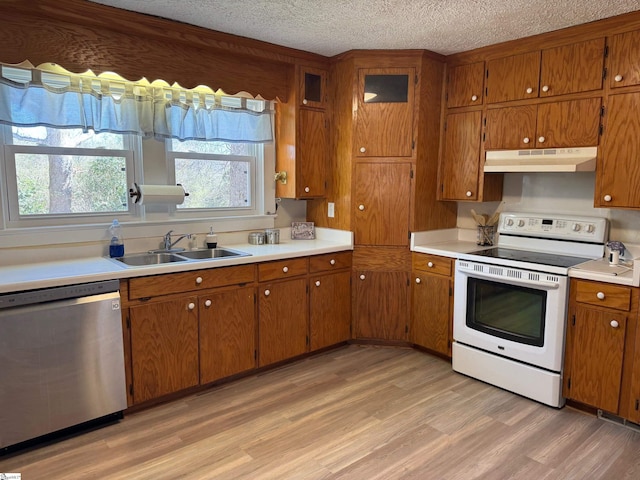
<point>61,176</point>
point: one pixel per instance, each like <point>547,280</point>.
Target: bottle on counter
<point>116,247</point>
<point>212,239</point>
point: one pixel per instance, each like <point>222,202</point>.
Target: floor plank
<point>358,412</point>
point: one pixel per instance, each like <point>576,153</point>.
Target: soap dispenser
<point>212,239</point>
<point>116,246</point>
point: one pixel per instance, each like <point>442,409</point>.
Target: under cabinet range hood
<point>573,159</point>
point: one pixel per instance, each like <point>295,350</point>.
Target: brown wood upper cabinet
<point>624,58</point>
<point>465,85</point>
<point>313,87</point>
<point>573,68</point>
<point>574,123</point>
<point>384,120</point>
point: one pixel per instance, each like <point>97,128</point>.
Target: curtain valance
<point>51,96</point>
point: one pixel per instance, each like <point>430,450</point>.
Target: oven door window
<point>507,311</point>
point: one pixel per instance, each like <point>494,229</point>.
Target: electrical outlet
<point>331,210</point>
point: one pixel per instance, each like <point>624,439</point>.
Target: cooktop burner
<point>531,257</point>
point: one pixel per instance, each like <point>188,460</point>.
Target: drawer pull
<point>317,283</point>
<point>199,280</point>
<point>529,90</point>
<point>474,98</point>
<point>418,280</point>
<point>362,277</point>
<point>618,78</point>
<point>191,306</point>
<point>600,295</point>
<point>430,264</point>
<point>285,269</point>
<point>267,293</point>
<point>614,324</point>
<point>207,303</point>
<point>332,261</point>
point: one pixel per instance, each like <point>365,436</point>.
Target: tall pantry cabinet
<point>382,177</point>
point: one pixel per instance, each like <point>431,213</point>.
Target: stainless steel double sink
<point>162,258</point>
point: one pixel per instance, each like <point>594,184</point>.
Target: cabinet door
<point>283,311</point>
<point>381,203</point>
<point>311,154</point>
<point>624,55</point>
<point>227,333</point>
<point>460,162</point>
<point>597,353</point>
<point>313,87</point>
<point>381,305</point>
<point>513,78</point>
<point>572,68</point>
<point>618,176</point>
<point>510,128</point>
<point>431,314</point>
<point>330,309</point>
<point>465,84</point>
<point>164,347</point>
<point>569,124</point>
<point>384,120</point>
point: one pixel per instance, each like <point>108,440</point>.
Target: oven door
<point>514,313</point>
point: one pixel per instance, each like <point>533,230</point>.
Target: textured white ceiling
<point>329,27</point>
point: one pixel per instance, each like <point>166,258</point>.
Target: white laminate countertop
<point>68,272</point>
<point>453,242</point>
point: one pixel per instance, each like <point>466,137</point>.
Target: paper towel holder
<point>134,192</point>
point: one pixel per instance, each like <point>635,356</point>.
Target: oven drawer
<point>603,295</point>
<point>433,264</point>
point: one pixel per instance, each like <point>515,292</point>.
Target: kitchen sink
<point>142,259</point>
<point>212,253</point>
<point>162,258</point>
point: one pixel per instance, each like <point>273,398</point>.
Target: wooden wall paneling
<point>427,212</point>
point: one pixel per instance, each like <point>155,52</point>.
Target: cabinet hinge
<point>484,136</point>
<point>307,339</point>
<point>408,283</point>
<point>413,144</point>
<point>415,80</point>
<point>486,92</point>
<point>569,383</point>
<point>411,173</point>
<point>255,299</point>
<point>446,96</point>
<point>409,234</point>
<point>637,404</point>
<point>606,51</point>
<point>487,73</point>
<point>406,329</point>
<point>255,355</point>
<point>602,110</point>
<point>601,129</point>
<point>128,322</point>
<point>573,320</point>
<point>130,389</point>
<point>442,187</point>
<point>307,288</point>
<point>450,291</point>
<point>604,73</point>
<point>445,126</point>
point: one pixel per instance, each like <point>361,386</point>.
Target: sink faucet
<point>168,244</point>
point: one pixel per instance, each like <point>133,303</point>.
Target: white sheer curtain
<point>107,103</point>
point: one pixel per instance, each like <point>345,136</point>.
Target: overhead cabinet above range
<point>574,68</point>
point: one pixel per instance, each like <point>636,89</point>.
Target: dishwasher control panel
<point>52,294</point>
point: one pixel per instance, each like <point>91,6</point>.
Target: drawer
<point>190,281</point>
<point>433,264</point>
<point>603,295</point>
<point>330,261</point>
<point>282,269</point>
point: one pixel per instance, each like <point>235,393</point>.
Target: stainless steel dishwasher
<point>61,359</point>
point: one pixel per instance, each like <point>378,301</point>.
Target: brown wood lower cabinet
<point>330,309</point>
<point>284,327</point>
<point>432,303</point>
<point>227,333</point>
<point>164,347</point>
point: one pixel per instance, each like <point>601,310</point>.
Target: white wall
<point>561,193</point>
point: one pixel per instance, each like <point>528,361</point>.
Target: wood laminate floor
<point>358,412</point>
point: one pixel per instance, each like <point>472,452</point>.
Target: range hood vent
<point>542,160</point>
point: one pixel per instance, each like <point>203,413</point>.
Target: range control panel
<point>574,228</point>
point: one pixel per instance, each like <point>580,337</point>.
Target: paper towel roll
<point>158,194</point>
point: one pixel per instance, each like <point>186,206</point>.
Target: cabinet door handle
<point>468,194</point>
<point>526,140</point>
<point>362,149</point>
<point>307,189</point>
<point>618,78</point>
<point>305,101</point>
<point>607,198</point>
<point>600,295</point>
<point>267,293</point>
<point>191,306</point>
<point>418,280</point>
<point>474,98</point>
<point>541,139</point>
<point>361,207</point>
<point>207,303</point>
<point>545,88</point>
<point>614,323</point>
<point>285,269</point>
<point>529,90</point>
<point>317,283</point>
<point>332,261</point>
<point>199,280</point>
<point>362,277</point>
<point>430,264</point>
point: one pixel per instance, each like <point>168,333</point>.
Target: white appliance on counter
<point>510,302</point>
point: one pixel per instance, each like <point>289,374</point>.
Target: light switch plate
<point>331,210</point>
